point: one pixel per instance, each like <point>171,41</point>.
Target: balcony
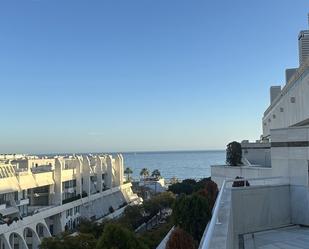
<point>22,202</point>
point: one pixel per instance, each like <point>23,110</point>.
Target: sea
<point>179,164</point>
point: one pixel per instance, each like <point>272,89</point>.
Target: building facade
<point>44,196</point>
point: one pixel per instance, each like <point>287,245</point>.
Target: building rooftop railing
<point>209,231</point>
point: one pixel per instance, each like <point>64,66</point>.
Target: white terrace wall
<point>258,208</point>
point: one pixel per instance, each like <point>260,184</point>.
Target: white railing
<point>209,231</point>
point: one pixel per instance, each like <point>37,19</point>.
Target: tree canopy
<point>156,173</point>
<point>192,213</point>
<point>180,239</point>
<point>116,236</point>
<point>128,171</point>
<point>234,154</point>
<point>144,172</point>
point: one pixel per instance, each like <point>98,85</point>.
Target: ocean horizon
<point>179,164</point>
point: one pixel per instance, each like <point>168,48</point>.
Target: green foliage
<point>128,171</point>
<point>80,241</point>
<point>192,213</point>
<point>180,239</point>
<point>144,172</point>
<point>159,202</point>
<point>185,187</point>
<point>153,237</point>
<point>132,217</point>
<point>156,173</point>
<point>234,154</point>
<point>188,186</point>
<point>90,227</point>
<point>116,236</point>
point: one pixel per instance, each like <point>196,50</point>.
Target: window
<point>293,99</point>
<point>281,109</point>
<point>274,116</point>
<point>269,120</point>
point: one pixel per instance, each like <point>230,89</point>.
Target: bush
<point>233,154</point>
<point>192,214</point>
<point>180,239</point>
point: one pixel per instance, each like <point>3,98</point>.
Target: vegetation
<point>180,239</point>
<point>119,237</point>
<point>210,191</point>
<point>234,154</point>
<point>65,241</point>
<point>144,172</point>
<point>156,173</point>
<point>128,171</point>
<point>153,237</point>
<point>192,213</point>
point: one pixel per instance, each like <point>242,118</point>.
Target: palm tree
<point>128,171</point>
<point>144,172</point>
<point>156,173</point>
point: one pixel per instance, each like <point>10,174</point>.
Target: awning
<point>27,181</point>
<point>44,179</point>
<point>9,210</point>
<point>8,185</point>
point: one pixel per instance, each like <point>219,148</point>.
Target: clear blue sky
<point>110,75</point>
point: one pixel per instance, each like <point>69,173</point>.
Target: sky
<point>140,75</point>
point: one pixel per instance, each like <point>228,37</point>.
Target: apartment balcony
<point>22,202</point>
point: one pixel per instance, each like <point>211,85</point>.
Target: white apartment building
<point>43,196</point>
<point>277,168</point>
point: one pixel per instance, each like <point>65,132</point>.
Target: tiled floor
<point>293,237</point>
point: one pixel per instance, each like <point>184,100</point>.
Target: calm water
<point>191,164</point>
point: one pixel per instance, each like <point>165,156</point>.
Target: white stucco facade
<point>43,196</point>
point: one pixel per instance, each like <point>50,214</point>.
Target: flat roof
<point>292,237</point>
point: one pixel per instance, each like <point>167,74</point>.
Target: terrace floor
<point>293,237</point>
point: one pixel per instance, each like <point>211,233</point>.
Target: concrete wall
<point>300,205</point>
<point>284,113</point>
<point>260,207</point>
<point>257,153</point>
<point>289,155</point>
<point>219,173</point>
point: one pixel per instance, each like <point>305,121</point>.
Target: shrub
<point>233,154</point>
<point>180,239</point>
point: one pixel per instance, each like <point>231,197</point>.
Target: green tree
<point>192,213</point>
<point>132,217</point>
<point>157,203</point>
<point>128,171</point>
<point>91,227</point>
<point>144,172</point>
<point>234,154</point>
<point>156,173</point>
<point>116,236</point>
<point>187,187</point>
